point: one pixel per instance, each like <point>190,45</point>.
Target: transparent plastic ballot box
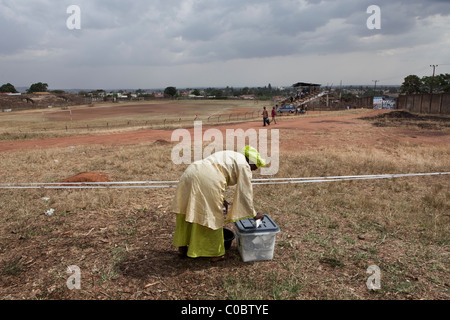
<point>256,243</point>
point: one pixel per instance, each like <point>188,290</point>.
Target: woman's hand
<point>225,204</point>
<point>259,216</point>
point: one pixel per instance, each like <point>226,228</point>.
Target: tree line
<point>35,87</point>
<point>262,93</point>
<point>412,84</point>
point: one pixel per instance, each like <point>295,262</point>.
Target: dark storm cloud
<point>117,33</point>
<point>195,31</point>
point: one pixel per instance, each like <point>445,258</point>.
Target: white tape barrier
<point>173,184</point>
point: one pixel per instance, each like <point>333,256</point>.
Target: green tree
<point>8,88</point>
<point>217,93</point>
<point>245,91</point>
<point>348,96</point>
<point>196,92</point>
<point>412,84</point>
<point>440,83</point>
<point>444,82</point>
<point>38,87</point>
<point>170,91</point>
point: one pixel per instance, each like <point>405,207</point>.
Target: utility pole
<point>375,87</point>
<point>432,78</point>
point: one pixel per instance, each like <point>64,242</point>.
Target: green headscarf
<point>253,155</point>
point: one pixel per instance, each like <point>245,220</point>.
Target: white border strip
<point>173,184</point>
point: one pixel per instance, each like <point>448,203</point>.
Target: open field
<point>331,232</point>
<point>119,117</point>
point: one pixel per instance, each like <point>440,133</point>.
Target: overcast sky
<point>217,43</point>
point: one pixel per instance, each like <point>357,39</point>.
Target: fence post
<point>421,104</point>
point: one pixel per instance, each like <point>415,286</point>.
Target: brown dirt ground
<point>88,177</point>
<point>359,132</point>
<point>102,112</point>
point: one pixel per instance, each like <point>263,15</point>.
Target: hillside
<point>36,101</point>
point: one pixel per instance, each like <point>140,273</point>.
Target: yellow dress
<point>199,198</point>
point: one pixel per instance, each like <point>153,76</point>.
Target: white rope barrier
<point>173,184</point>
<point>343,178</point>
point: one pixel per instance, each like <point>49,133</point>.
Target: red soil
<point>303,132</point>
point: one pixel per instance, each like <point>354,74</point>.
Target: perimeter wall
<point>425,103</point>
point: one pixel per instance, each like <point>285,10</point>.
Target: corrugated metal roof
<point>305,84</point>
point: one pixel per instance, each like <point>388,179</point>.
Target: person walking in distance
<point>274,113</point>
<point>265,115</point>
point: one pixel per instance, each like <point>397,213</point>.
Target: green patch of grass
<point>331,261</point>
<point>13,267</point>
<point>243,288</point>
<point>286,289</point>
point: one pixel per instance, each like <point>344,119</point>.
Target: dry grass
<point>330,232</point>
<point>39,124</point>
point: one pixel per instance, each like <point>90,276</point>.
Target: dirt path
<point>311,132</point>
